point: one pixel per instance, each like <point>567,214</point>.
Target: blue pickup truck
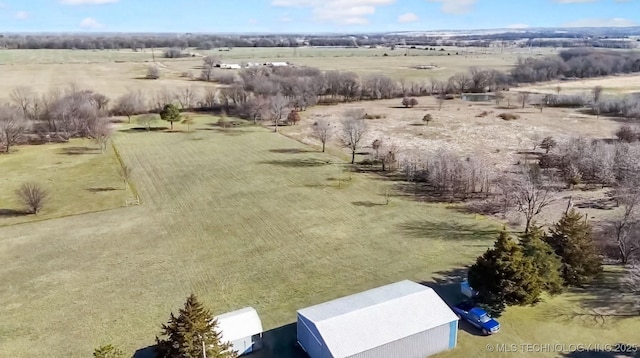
<point>477,317</point>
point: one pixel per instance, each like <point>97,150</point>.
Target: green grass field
<point>78,177</point>
<point>241,217</point>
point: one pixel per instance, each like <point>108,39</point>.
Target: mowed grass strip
<point>240,217</point>
<point>78,177</point>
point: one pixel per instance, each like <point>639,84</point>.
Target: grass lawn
<point>79,178</point>
<point>241,217</point>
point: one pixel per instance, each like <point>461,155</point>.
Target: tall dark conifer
<point>193,329</point>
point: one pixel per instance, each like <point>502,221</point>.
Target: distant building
<point>277,64</point>
<point>242,328</point>
<point>404,320</point>
<point>230,66</point>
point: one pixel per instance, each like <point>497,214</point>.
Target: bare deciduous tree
<point>322,131</point>
<point>187,97</point>
<point>523,98</point>
<point>530,196</point>
<point>440,99</point>
<point>257,107</point>
<point>596,94</point>
<point>278,106</point>
<point>354,129</point>
<point>146,120</point>
<point>153,72</point>
<point>100,130</point>
<point>12,126</point>
<point>33,196</point>
<point>22,97</point>
<point>626,226</point>
<point>129,104</point>
<point>210,97</point>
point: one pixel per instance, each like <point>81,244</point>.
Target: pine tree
<point>547,263</point>
<point>170,113</point>
<point>193,329</point>
<point>572,240</point>
<point>504,276</point>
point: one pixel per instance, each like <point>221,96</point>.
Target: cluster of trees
<point>193,333</point>
<point>517,272</point>
<point>578,160</point>
<point>581,63</point>
<point>58,115</point>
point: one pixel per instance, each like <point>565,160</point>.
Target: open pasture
<point>613,85</point>
<point>240,217</point>
<point>78,177</point>
<point>115,72</point>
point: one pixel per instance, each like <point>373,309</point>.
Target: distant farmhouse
<point>404,319</point>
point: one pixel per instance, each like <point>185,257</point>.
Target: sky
<point>309,16</point>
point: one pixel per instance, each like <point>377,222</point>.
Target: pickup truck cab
<point>477,317</point>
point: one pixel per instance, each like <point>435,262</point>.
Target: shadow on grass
<point>447,285</point>
<point>289,151</point>
<point>146,352</point>
<point>234,132</point>
<point>367,204</point>
<point>298,163</point>
<point>617,350</point>
<point>144,129</point>
<point>455,231</point>
<point>10,213</point>
<point>600,303</point>
<point>101,190</point>
<point>79,150</point>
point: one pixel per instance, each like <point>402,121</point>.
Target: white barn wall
<point>419,345</point>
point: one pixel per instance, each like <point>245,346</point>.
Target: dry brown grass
<point>115,72</point>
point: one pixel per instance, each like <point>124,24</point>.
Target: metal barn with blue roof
<point>400,320</point>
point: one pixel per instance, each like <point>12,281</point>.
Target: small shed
<point>404,319</point>
<point>242,328</point>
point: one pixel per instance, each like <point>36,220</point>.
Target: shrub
<point>626,134</point>
<point>374,116</point>
<point>153,73</point>
<point>173,53</point>
<point>187,74</point>
<point>508,116</point>
<point>33,196</point>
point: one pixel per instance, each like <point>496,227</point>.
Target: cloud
<point>456,7</point>
<point>252,21</point>
<point>407,18</point>
<point>90,23</point>
<point>612,22</point>
<point>518,26</point>
<point>21,15</point>
<point>347,12</point>
<point>573,1</point>
<point>87,2</point>
<point>285,18</point>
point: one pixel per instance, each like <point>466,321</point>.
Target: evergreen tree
<point>572,240</point>
<point>504,276</point>
<point>194,328</point>
<point>547,263</point>
<point>170,113</point>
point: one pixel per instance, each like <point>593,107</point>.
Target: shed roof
<point>239,324</point>
<point>369,319</point>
